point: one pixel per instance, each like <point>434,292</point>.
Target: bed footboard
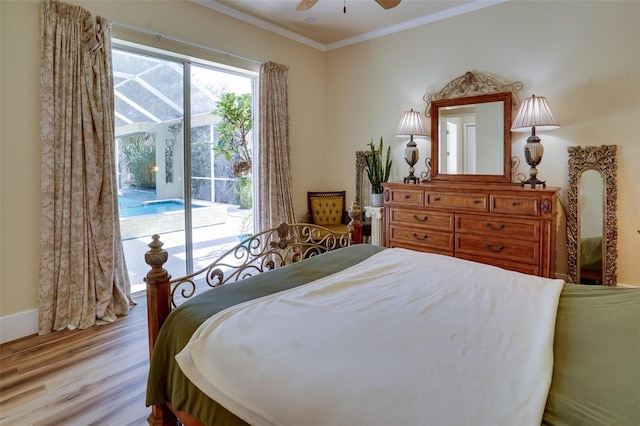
<point>267,250</point>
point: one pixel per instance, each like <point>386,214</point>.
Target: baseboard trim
<point>18,325</point>
<point>628,285</point>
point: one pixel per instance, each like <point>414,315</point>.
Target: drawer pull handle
<point>406,196</point>
<point>436,198</point>
<point>417,237</point>
<point>495,228</point>
<point>514,204</point>
<point>424,219</point>
<point>495,250</point>
<point>476,201</point>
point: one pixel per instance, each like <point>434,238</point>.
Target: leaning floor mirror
<point>592,231</point>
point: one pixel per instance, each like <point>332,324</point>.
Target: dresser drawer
<point>412,197</point>
<point>501,224</point>
<point>419,247</point>
<point>499,248</point>
<point>422,217</point>
<point>515,205</point>
<point>418,236</point>
<point>495,226</point>
<point>512,266</point>
<point>475,202</point>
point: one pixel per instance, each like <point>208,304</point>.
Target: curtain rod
<point>161,36</point>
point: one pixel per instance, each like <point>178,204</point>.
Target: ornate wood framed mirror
<point>470,129</point>
<point>592,227</point>
<point>363,186</point>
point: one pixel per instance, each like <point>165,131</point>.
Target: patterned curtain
<point>275,204</point>
<point>83,277</point>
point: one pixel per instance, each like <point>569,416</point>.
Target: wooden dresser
<point>501,224</point>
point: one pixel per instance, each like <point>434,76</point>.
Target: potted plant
<point>378,170</point>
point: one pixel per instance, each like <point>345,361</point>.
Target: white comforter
<point>403,338</point>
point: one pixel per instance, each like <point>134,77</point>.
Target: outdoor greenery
<point>378,171</point>
<point>200,162</point>
<point>246,225</point>
<point>169,148</point>
<point>242,187</point>
<point>232,149</point>
<point>139,160</point>
<point>235,126</point>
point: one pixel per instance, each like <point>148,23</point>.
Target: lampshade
<point>534,112</point>
<point>412,124</point>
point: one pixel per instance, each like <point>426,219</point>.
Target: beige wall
<point>20,103</point>
<point>583,56</point>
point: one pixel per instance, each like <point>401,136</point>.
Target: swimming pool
<point>131,207</point>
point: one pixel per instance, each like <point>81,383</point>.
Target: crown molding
<point>416,22</point>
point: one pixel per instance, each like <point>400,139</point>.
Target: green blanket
<point>596,374</point>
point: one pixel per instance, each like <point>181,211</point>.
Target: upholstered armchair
<point>328,209</point>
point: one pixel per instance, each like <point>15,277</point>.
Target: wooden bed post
<point>356,231</point>
<point>158,308</point>
<point>355,226</point>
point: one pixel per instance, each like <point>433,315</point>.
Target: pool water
<point>130,207</point>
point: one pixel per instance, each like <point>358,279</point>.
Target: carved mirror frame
<point>363,187</point>
<point>473,88</point>
<point>602,159</point>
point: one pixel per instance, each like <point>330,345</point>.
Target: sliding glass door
<point>177,158</point>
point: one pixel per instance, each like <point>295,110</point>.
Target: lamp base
<point>533,181</point>
<point>533,151</point>
<point>411,156</point>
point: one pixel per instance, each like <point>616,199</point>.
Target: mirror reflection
<point>591,219</point>
<point>472,141</point>
<point>471,138</point>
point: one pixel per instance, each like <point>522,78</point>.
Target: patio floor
<point>209,241</point>
<point>141,226</point>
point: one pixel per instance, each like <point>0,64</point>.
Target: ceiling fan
<point>386,4</point>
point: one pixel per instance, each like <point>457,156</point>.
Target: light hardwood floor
<point>83,377</point>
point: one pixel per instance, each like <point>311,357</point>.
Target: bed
<point>587,345</point>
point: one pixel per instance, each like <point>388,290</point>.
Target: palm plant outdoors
<point>378,168</point>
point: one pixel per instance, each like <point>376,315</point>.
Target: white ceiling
<point>326,27</point>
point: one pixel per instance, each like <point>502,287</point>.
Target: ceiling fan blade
<point>388,4</point>
<point>306,4</point>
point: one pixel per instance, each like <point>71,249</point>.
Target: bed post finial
<point>156,258</point>
<point>158,308</point>
<point>158,289</point>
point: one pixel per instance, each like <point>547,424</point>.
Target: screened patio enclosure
<point>170,179</point>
